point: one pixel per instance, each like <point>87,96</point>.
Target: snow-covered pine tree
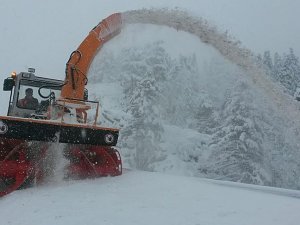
<point>206,115</point>
<point>144,74</point>
<point>180,92</point>
<point>277,64</point>
<point>145,127</point>
<point>259,61</point>
<point>283,155</point>
<point>237,153</point>
<point>289,73</point>
<point>284,69</point>
<point>138,63</point>
<point>267,62</point>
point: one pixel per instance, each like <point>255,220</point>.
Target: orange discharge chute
<point>78,65</point>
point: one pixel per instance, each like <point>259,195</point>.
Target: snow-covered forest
<point>201,118</point>
<point>283,68</point>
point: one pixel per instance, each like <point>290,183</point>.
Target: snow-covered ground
<point>145,198</point>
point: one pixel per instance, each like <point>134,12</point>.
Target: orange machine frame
<point>78,65</point>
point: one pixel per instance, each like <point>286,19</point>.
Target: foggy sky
<point>42,34</point>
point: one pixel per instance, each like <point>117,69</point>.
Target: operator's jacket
<point>28,103</point>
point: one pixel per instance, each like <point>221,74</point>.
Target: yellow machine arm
<point>79,62</point>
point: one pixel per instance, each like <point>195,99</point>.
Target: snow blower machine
<point>43,111</point>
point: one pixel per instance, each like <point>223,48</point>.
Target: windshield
<point>28,96</point>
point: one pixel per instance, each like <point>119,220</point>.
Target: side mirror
<point>8,84</point>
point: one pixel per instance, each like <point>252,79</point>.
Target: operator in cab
<point>28,102</point>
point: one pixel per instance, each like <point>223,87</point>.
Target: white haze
<point>226,46</point>
<point>35,39</point>
<point>43,34</point>
<point>231,62</point>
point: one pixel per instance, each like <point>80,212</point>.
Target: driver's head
<point>29,92</point>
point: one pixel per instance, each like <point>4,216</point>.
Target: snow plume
<point>225,44</point>
<point>53,163</point>
<point>56,152</point>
